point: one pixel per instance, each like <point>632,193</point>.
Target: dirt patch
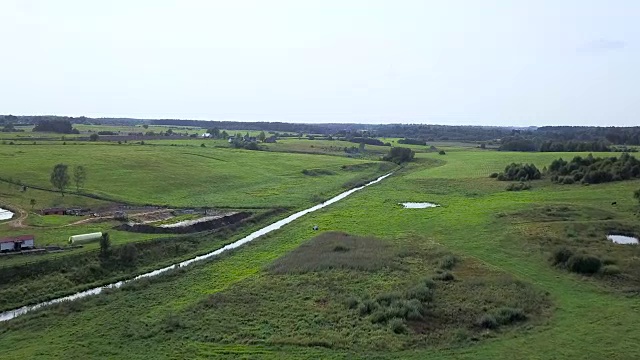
<point>214,224</point>
<point>336,250</point>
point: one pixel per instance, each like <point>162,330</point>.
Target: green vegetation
<point>472,279</point>
<point>590,170</point>
<point>519,172</point>
<point>399,155</point>
<point>60,177</point>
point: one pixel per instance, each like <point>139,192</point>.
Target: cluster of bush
<point>56,126</point>
<point>573,146</point>
<point>583,263</point>
<point>368,141</point>
<point>399,155</point>
<point>518,143</point>
<point>107,133</point>
<point>502,316</point>
<point>519,186</point>
<point>317,172</point>
<point>518,172</point>
<point>590,170</point>
<point>412,142</point>
<point>394,308</point>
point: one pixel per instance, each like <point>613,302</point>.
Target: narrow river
<point>11,314</point>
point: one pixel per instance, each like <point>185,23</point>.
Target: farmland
<point>299,293</point>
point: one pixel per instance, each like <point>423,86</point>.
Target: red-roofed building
<point>17,243</point>
<point>52,211</point>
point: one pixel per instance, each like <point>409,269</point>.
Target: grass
<point>505,252</point>
<point>190,176</point>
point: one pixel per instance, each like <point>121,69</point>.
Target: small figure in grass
<point>315,227</point>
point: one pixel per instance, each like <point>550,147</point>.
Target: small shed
<point>52,211</point>
<point>17,243</point>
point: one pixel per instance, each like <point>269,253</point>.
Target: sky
<point>503,63</point>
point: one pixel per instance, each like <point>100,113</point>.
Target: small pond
<point>621,239</point>
<point>5,214</point>
<point>418,205</point>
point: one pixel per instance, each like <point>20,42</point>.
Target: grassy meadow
<point>362,294</point>
<point>187,176</point>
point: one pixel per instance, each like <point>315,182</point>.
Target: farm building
<point>17,243</point>
<point>52,211</point>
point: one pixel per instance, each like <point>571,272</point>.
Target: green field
<point>286,295</point>
<point>186,176</point>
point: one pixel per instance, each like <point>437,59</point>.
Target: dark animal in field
<point>614,203</point>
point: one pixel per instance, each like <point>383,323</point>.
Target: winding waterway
<point>11,314</point>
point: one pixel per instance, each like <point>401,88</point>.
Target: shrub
<point>398,326</point>
<point>420,292</point>
<point>488,321</point>
<point>441,152</point>
<point>379,316</point>
<point>203,145</point>
<point>352,302</point>
<point>367,307</point>
<point>317,172</point>
<point>584,264</point>
<point>518,187</point>
<point>609,261</point>
<point>399,155</point>
<point>388,298</point>
<point>445,276</point>
<point>448,262</point>
<point>428,282</point>
<point>520,172</point>
<point>568,180</point>
<point>610,270</point>
<point>493,175</point>
<point>508,315</point>
<point>561,255</point>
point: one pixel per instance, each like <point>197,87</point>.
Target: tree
<point>94,137</point>
<point>105,246</point>
<point>60,177</point>
<point>215,133</point>
<point>33,203</point>
<point>79,176</point>
<point>145,126</point>
<point>361,147</point>
<point>262,136</point>
<point>224,135</point>
<point>399,155</point>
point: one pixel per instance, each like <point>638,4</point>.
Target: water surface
<point>418,205</point>
<point>5,214</point>
<point>622,239</point>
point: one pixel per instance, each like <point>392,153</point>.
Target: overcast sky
<point>442,62</point>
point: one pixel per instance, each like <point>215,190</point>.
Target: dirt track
<point>22,215</point>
